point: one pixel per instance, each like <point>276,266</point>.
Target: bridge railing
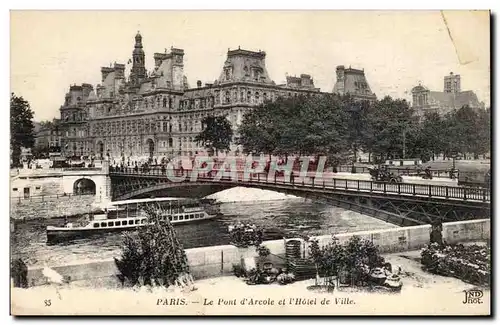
<point>403,171</point>
<point>323,183</point>
<point>409,171</point>
<point>73,169</point>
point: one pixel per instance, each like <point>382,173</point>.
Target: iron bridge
<point>404,204</point>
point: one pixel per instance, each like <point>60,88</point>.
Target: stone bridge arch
<point>84,186</point>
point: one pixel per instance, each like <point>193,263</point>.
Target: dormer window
<point>228,74</point>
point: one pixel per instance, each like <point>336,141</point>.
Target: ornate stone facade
<point>353,82</point>
<point>158,114</point>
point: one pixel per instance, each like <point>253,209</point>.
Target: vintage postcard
<point>250,163</point>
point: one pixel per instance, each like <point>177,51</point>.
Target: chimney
<point>198,83</point>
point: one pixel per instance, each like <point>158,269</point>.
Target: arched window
<point>170,128</point>
<point>257,98</point>
<point>170,142</point>
<point>249,96</point>
<point>157,101</point>
<point>228,97</point>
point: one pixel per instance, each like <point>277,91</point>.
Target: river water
<point>279,217</point>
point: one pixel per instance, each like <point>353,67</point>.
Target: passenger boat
<point>130,215</point>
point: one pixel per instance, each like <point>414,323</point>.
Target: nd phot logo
<point>473,296</point>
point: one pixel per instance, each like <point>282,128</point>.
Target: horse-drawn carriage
<point>383,175</point>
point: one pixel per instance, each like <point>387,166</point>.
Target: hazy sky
<point>52,49</point>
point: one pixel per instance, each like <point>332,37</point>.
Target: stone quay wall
<point>214,261</point>
<point>52,206</point>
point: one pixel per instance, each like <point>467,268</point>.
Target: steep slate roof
<point>454,100</point>
<point>243,63</point>
<point>355,83</point>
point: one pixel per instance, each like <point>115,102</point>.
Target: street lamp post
<point>404,143</point>
<point>355,110</point>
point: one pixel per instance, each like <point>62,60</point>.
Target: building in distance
<point>442,102</point>
<point>47,136</point>
<point>353,82</point>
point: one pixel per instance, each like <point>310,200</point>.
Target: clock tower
<point>138,72</point>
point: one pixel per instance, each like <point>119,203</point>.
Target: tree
<point>386,126</point>
<point>482,143</point>
<point>155,257</point>
<point>301,125</point>
<point>467,131</point>
<point>258,133</point>
<point>216,135</point>
<point>357,110</point>
<point>21,126</point>
<point>431,137</point>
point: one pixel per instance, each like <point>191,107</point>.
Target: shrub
<point>244,235</point>
<point>352,260</point>
<point>19,272</point>
<point>263,251</point>
<point>471,264</point>
<point>238,271</point>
